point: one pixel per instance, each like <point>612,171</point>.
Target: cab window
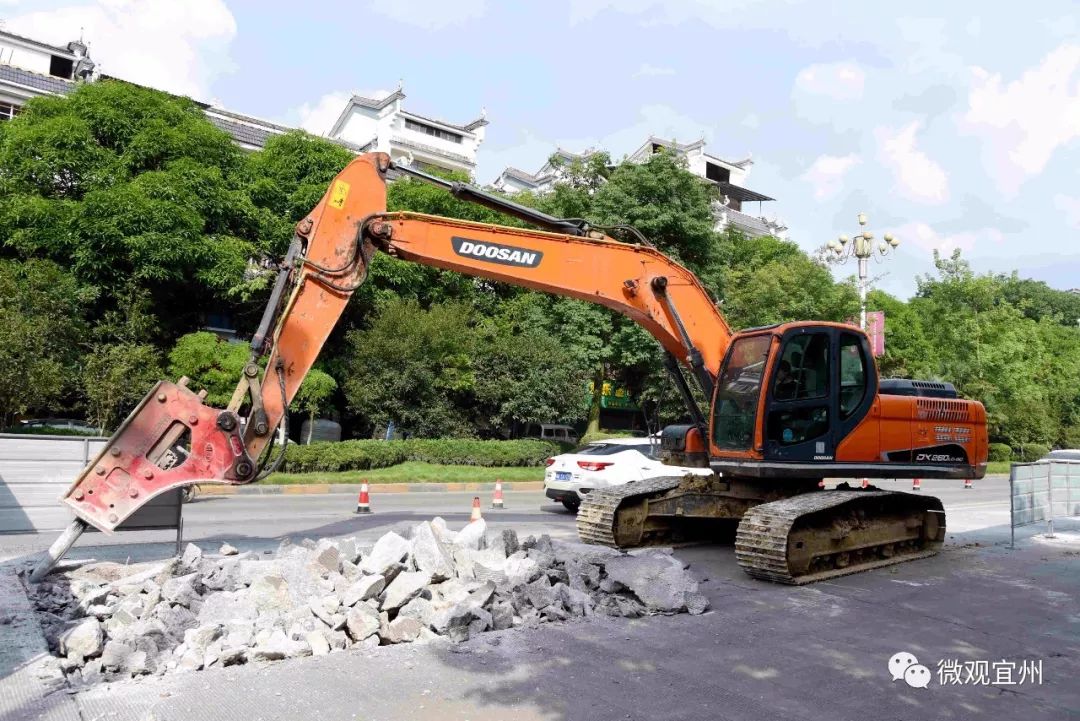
<point>737,390</point>
<point>852,374</point>
<point>800,410</point>
<point>803,373</point>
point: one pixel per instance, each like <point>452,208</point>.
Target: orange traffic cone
<point>865,483</point>
<point>916,484</point>
<point>497,499</point>
<point>363,504</point>
<point>968,483</point>
<point>475,510</point>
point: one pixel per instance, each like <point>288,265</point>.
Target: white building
<point>384,125</point>
<point>728,176</point>
<point>514,180</point>
<point>29,68</point>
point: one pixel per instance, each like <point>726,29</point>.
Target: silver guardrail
<point>1042,491</point>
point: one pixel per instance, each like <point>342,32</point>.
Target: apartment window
<point>433,131</point>
<point>716,173</point>
<point>61,67</point>
<point>8,111</point>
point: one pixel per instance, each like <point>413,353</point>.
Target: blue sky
<point>951,124</point>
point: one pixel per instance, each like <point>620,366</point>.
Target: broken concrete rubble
<point>203,610</point>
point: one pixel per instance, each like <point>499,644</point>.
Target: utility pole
<point>862,250</point>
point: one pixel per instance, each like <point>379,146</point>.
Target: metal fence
<point>35,471</point>
<point>1043,491</point>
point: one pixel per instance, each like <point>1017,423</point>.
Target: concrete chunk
<point>365,588</point>
<point>362,621</point>
<point>472,536</point>
<point>318,643</point>
<point>402,630</point>
<point>84,640</point>
<point>658,581</point>
<point>403,589</point>
<point>191,557</point>
<point>389,550</point>
<point>430,555</point>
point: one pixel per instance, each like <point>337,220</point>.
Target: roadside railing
<point>1042,491</point>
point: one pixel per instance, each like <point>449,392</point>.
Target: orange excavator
<point>791,404</point>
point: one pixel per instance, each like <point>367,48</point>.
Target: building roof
<point>65,51</point>
<point>37,81</point>
<point>244,133</point>
<point>677,147</point>
<point>521,176</point>
<point>241,117</point>
<point>381,103</point>
<point>740,193</point>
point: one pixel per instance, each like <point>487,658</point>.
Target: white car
<point>602,464</point>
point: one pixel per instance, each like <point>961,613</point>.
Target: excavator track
<point>815,536</point>
<point>598,518</point>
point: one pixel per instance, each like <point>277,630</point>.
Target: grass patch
<point>998,467</point>
<point>414,472</point>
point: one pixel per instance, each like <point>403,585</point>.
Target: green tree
<point>524,373</point>
<point>414,367</point>
<point>42,322</point>
<point>116,377</point>
<point>122,185</point>
<point>318,388</point>
<point>122,364</point>
<point>210,363</point>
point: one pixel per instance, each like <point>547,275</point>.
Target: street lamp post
<point>863,250</point>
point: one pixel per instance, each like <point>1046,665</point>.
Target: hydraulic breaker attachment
<point>169,441</point>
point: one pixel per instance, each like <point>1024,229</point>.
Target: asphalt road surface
<point>763,651</point>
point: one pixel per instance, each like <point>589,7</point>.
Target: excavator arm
<point>172,439</point>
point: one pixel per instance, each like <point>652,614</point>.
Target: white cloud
<point>1069,207</point>
<point>180,47</point>
<point>651,71</point>
<point>826,174</point>
<point>430,14</point>
<point>917,177</point>
<point>839,81</point>
<point>317,118</point>
<point>1024,122</point>
<point>923,236</point>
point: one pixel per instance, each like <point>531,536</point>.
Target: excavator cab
<point>803,400</point>
<point>817,389</point>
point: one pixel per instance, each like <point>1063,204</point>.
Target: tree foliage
<point>41,326</point>
<point>127,218</point>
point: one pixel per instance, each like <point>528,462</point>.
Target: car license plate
<point>562,475</point>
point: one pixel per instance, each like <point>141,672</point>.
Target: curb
<point>322,488</point>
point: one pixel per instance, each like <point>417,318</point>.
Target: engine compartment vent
<point>925,389</point>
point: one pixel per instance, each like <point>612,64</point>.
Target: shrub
<point>1000,452</point>
<point>365,455</point>
<point>1031,452</point>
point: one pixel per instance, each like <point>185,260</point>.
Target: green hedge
<point>1030,452</point>
<point>367,454</point>
<point>47,431</point>
<point>1000,452</point>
